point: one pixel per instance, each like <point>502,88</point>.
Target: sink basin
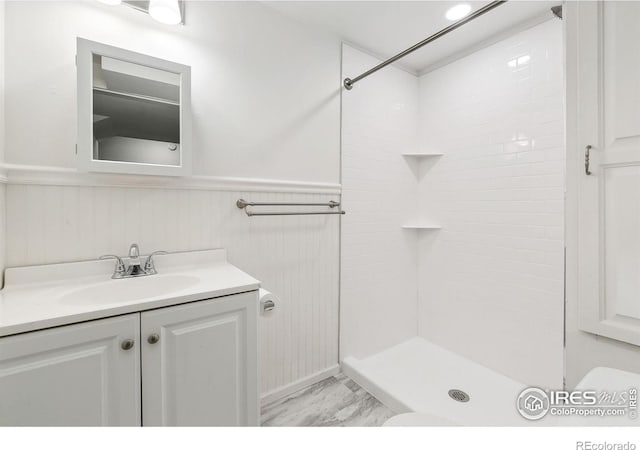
<point>129,289</point>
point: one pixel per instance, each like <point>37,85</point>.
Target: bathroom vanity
<point>175,348</point>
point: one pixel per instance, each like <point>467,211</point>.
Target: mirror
<point>133,112</point>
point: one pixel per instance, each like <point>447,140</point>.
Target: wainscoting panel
<point>295,257</point>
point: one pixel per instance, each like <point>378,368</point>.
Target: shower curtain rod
<point>349,82</point>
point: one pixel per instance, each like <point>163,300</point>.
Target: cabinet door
<point>202,370</point>
<point>609,197</point>
<point>72,375</point>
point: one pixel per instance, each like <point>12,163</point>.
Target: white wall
<point>491,281</point>
<point>2,88</point>
<point>265,89</point>
<point>378,300</point>
<point>3,235</point>
<point>265,95</point>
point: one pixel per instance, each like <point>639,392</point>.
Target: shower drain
<point>458,395</point>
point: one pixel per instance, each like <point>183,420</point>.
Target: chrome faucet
<point>134,269</point>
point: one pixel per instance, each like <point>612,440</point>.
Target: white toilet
<point>610,380</point>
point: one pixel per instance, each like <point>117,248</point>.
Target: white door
<point>609,121</point>
<point>199,363</point>
<point>76,375</point>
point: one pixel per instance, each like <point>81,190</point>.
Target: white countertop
<point>46,296</point>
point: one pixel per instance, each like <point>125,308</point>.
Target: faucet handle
<point>149,268</point>
<point>120,270</point>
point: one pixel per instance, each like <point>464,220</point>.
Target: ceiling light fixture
<point>458,12</point>
<point>165,11</point>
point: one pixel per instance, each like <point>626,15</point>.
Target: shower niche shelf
<point>422,155</point>
<point>421,226</point>
<point>421,162</point>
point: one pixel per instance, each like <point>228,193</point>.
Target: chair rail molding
<point>63,176</point>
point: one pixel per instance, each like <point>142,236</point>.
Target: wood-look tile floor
<point>336,401</point>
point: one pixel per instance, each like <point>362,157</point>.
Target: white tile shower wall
<point>378,295</point>
<point>295,257</point>
<point>491,281</point>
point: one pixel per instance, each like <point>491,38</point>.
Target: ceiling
<point>385,28</point>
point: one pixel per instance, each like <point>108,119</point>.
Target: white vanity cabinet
<point>199,363</point>
<point>82,374</point>
<point>189,364</point>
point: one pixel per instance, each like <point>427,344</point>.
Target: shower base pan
<point>418,376</point>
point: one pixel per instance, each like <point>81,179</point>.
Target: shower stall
<point>452,254</point>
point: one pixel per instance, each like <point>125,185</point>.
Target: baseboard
<point>281,392</point>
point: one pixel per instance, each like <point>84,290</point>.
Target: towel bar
<point>243,204</point>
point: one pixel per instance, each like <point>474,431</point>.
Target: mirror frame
<point>84,61</point>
